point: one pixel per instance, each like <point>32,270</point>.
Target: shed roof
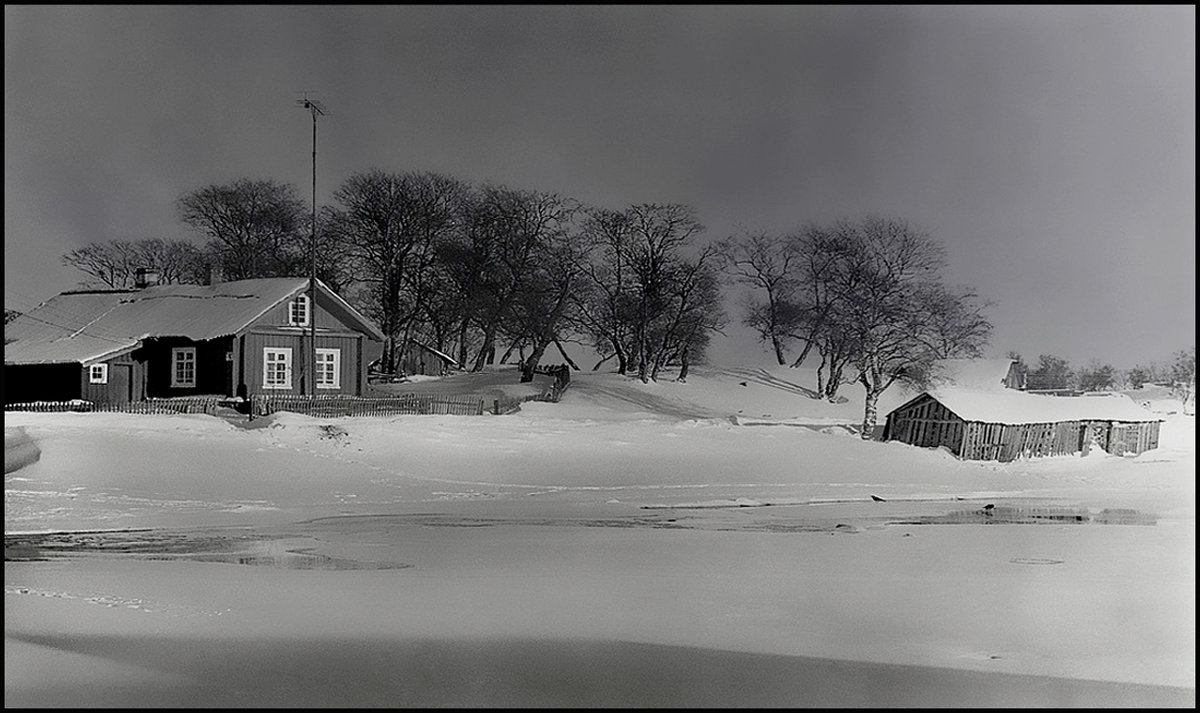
<point>79,327</point>
<point>1016,407</point>
<point>438,353</point>
<point>973,373</point>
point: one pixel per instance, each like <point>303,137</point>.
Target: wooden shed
<point>1004,425</point>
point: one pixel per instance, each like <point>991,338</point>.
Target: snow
<point>1017,407</point>
<point>730,513</point>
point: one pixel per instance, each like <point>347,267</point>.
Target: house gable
<point>333,316</point>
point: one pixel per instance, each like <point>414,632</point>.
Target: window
<point>298,311</point>
<point>183,367</point>
<point>329,362</point>
<point>277,368</point>
<point>98,374</point>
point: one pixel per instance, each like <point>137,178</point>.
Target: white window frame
<point>286,353</point>
<point>98,374</point>
<point>336,359</point>
<point>179,356</point>
<point>300,302</point>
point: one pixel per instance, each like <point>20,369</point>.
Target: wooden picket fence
<point>399,405</point>
<point>323,405</point>
<point>148,406</point>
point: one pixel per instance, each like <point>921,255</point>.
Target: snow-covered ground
<point>731,514</point>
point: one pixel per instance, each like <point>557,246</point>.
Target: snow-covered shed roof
<point>79,327</point>
<point>1012,407</point>
<point>438,353</point>
<point>972,373</point>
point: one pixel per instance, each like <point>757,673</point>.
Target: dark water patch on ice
<point>290,559</point>
<point>1048,515</point>
<point>1124,516</point>
<point>224,547</point>
<point>43,546</point>
<point>290,672</point>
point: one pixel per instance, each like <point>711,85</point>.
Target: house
<point>228,339</point>
<point>1004,424</point>
<point>985,374</point>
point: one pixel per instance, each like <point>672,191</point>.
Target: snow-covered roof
<point>439,354</point>
<point>972,373</point>
<point>79,327</point>
<point>1012,407</point>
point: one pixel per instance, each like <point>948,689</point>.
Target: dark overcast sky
<point>1051,148</point>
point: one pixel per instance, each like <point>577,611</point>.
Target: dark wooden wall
<point>926,422</point>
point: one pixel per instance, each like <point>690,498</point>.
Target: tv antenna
<point>312,105</point>
<point>317,109</point>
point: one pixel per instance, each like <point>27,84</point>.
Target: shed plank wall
<point>927,423</point>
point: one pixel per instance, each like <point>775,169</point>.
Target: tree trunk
<point>778,350</point>
<point>683,367</point>
<point>489,338</point>
<point>462,342</point>
<point>601,362</point>
<point>835,380</point>
<point>808,345</point>
<point>622,360</point>
<point>530,365</point>
<point>870,413</point>
<point>643,358</point>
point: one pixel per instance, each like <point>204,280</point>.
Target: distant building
<point>226,339</point>
<point>1003,425</point>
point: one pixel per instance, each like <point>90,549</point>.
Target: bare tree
<point>771,266</point>
<point>824,250</point>
<point>659,233</point>
<point>1052,373</point>
<point>543,309</point>
<point>115,263</point>
<point>1097,377</point>
<point>694,313</point>
<point>1183,378</point>
<point>891,310</point>
<point>255,228</point>
<point>507,235</point>
<point>177,261</point>
<point>387,228</point>
<point>604,299</point>
<point>111,263</point>
<point>643,300</point>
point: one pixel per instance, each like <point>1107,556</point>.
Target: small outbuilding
<point>1004,424</point>
<point>420,358</point>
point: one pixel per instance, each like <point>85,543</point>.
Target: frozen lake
<point>628,546</point>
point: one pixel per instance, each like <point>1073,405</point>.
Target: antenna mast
<point>317,109</point>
